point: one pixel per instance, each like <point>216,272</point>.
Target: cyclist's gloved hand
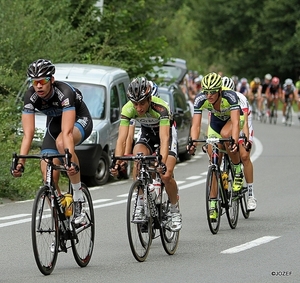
<point>73,169</point>
<point>247,145</point>
<point>234,147</point>
<point>162,168</point>
<point>18,170</point>
<point>123,170</point>
<point>114,170</point>
<point>191,149</point>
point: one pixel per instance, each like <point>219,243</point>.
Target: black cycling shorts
<point>150,138</point>
<point>84,125</point>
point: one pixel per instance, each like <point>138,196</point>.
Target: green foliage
<point>21,188</point>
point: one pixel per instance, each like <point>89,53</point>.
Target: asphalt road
<point>263,248</point>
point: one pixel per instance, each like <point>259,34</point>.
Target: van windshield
<point>94,97</point>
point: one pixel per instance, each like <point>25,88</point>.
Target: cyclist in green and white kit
<point>157,127</point>
<point>226,121</point>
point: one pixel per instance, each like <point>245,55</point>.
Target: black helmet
<point>41,68</point>
<point>139,89</point>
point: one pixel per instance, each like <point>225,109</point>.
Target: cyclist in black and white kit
<point>68,124</point>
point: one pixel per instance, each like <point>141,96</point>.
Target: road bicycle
<point>263,117</point>
<point>254,108</point>
<point>243,196</point>
<point>221,175</point>
<point>289,113</point>
<point>156,207</point>
<point>273,113</point>
<point>52,228</point>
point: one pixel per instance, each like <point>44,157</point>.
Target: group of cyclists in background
<point>260,93</point>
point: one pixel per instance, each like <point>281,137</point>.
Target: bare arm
<point>28,123</point>
<point>196,126</point>
<point>235,120</point>
<point>129,140</point>
<point>67,127</point>
<point>121,141</point>
<point>164,136</point>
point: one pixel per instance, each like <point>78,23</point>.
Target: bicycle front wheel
<point>289,116</point>
<point>169,239</point>
<point>139,231</point>
<point>213,212</point>
<point>44,231</point>
<point>82,247</point>
<point>232,203</point>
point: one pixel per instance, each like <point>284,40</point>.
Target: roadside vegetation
<point>246,38</point>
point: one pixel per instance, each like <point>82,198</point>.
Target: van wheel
<point>184,156</point>
<point>102,173</point>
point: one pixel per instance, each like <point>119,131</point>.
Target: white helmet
<point>268,77</point>
<point>288,82</point>
<point>228,82</point>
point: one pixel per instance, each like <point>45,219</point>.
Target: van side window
<point>114,104</point>
<point>179,101</point>
<point>123,95</point>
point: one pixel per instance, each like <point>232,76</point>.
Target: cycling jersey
<point>157,115</point>
<point>219,118</point>
<point>254,87</point>
<point>288,91</point>
<point>64,97</point>
<point>274,89</point>
<point>244,104</point>
<point>229,102</point>
<point>298,86</point>
<point>264,87</point>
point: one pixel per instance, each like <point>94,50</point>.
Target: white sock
<point>250,190</point>
<point>77,192</point>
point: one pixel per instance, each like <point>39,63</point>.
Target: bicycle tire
<point>243,203</point>
<point>275,116</point>
<point>44,231</point>
<point>169,239</point>
<point>232,204</point>
<point>289,116</point>
<point>83,246</point>
<point>213,224</point>
<point>139,233</point>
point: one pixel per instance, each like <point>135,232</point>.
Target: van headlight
<point>92,139</point>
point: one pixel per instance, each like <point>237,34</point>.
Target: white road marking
<point>249,245</point>
<point>13,216</point>
<point>193,177</point>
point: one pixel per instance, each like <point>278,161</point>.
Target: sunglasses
<point>211,92</point>
<point>40,81</point>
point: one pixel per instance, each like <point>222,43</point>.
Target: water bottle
<point>68,200</point>
<point>225,180</point>
<point>157,186</point>
<point>152,192</point>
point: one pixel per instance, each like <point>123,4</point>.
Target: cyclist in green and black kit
<point>157,127</point>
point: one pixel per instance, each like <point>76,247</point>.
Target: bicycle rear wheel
<point>243,201</point>
<point>232,206</point>
<point>139,232</point>
<point>213,223</point>
<point>289,116</point>
<point>83,246</point>
<point>44,231</point>
<point>169,239</point>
